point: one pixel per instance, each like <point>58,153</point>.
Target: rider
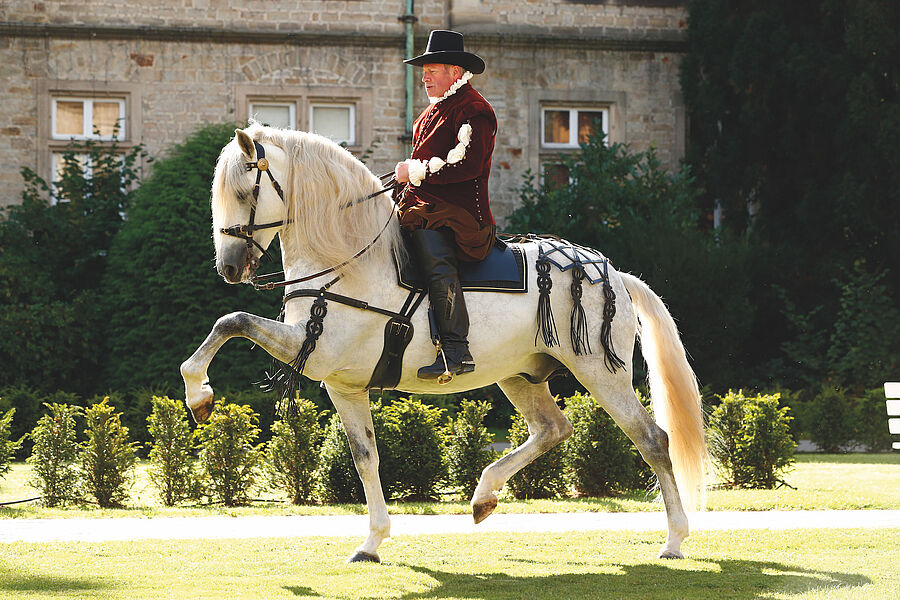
<point>444,204</point>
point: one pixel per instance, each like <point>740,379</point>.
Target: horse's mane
<point>323,178</point>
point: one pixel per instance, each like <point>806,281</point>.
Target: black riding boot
<point>436,252</point>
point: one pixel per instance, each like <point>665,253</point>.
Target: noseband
<point>245,232</point>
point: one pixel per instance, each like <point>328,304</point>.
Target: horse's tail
<point>674,392</point>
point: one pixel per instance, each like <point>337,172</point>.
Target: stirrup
<point>464,366</point>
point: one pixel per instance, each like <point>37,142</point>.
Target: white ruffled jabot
<point>463,80</point>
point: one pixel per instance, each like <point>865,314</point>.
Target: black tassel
<point>286,379</point>
<point>613,362</point>
<point>546,325</point>
<point>581,343</point>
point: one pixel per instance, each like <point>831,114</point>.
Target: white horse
<point>318,231</point>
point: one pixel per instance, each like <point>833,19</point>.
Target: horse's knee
<point>233,324</point>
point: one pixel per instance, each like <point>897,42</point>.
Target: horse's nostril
<point>230,272</point>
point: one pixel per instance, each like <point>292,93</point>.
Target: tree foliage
<point>644,218</point>
<point>162,291</point>
<point>795,130</point>
<point>53,254</point>
<point>413,431</point>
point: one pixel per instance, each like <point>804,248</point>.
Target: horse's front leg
<point>276,338</point>
<point>353,408</point>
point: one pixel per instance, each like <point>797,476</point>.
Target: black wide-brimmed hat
<point>446,48</point>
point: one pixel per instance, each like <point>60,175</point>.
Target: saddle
<point>502,271</point>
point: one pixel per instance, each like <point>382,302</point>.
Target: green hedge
<point>750,440</point>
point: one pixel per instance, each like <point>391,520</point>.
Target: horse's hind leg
<point>353,408</point>
<point>547,426</point>
<point>623,406</point>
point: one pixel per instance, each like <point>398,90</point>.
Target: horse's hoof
<point>360,556</point>
<point>203,409</point>
<point>668,554</point>
<point>483,510</point>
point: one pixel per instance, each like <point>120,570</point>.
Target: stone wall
<point>187,62</point>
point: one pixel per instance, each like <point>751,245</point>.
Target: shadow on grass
<point>737,579</point>
<point>12,581</point>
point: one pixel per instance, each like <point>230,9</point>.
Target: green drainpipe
<point>409,19</point>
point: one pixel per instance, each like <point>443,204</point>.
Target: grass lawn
<point>843,481</point>
<point>799,564</point>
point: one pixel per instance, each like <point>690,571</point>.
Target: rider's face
<point>438,78</point>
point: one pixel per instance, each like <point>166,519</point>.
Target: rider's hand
<point>401,172</point>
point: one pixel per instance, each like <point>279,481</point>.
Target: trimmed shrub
<point>172,469</point>
<point>468,446</point>
<point>750,439</point>
<point>337,475</point>
<point>291,453</point>
<point>27,402</point>
<point>229,454</point>
<point>8,447</point>
<point>54,471</point>
<point>871,421</point>
<point>830,423</point>
<point>339,482</point>
<point>107,456</point>
<point>419,466</point>
<point>600,460</point>
<point>545,476</point>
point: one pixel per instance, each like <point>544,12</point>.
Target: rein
<point>245,232</point>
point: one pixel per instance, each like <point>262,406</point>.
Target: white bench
<point>892,393</point>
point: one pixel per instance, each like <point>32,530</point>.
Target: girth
<point>398,332</point>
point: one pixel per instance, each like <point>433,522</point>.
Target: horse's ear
<point>245,143</point>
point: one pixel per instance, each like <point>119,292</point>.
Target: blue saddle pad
<point>502,271</point>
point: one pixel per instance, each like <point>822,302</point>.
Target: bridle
<point>245,232</point>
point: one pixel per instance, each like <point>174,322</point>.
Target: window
<point>340,113</point>
<point>335,121</point>
<point>88,118</point>
<point>566,128</point>
<point>275,114</point>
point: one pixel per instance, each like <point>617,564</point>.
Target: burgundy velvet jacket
<point>453,191</point>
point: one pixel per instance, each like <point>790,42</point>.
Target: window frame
<point>292,109</point>
<point>131,130</point>
<point>87,118</point>
<point>313,104</point>
<point>573,111</point>
<point>612,103</point>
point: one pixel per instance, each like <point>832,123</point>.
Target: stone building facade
<point>162,68</point>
